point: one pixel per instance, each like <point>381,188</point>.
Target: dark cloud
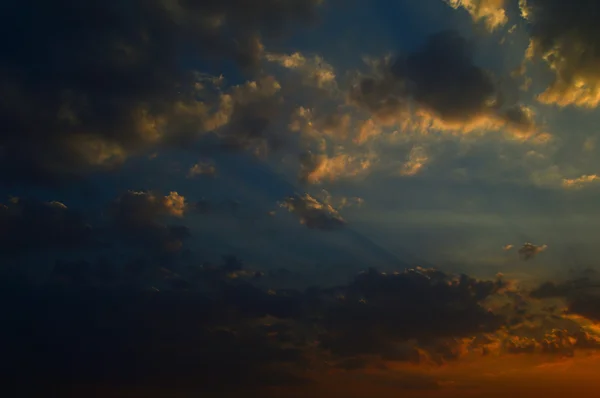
<point>565,35</point>
<point>582,294</point>
<point>313,213</point>
<point>529,250</point>
<point>70,338</point>
<point>442,80</point>
<point>379,314</point>
<point>139,217</point>
<point>214,328</point>
<point>31,225</point>
<point>85,86</point>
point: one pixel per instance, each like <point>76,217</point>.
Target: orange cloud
<point>580,182</point>
<point>491,12</point>
<point>316,169</point>
<point>417,158</point>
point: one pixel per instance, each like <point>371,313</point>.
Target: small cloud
<point>507,247</point>
<point>318,168</point>
<point>202,168</point>
<point>529,250</point>
<point>313,213</point>
<point>417,158</point>
<point>314,70</point>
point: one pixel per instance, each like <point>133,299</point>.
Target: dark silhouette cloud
<point>565,35</point>
<point>529,250</point>
<point>442,80</point>
<point>376,313</point>
<point>138,217</point>
<point>86,85</point>
<point>581,294</point>
<point>31,225</point>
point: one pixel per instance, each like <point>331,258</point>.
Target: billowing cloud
<point>564,34</point>
<point>439,87</point>
<point>313,213</point>
<point>110,83</point>
<point>491,12</point>
<point>391,315</point>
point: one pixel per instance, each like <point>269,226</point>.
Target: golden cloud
<point>491,12</point>
<point>417,159</point>
<point>314,71</point>
<point>564,36</point>
<point>579,182</point>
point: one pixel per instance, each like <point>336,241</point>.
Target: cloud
<point>318,168</point>
<point>110,84</point>
<point>137,218</point>
<point>249,110</point>
<point>313,213</point>
<point>314,71</point>
<point>439,87</point>
<point>393,316</point>
<point>185,318</point>
<point>529,250</point>
<point>417,158</point>
<point>202,168</point>
<point>491,12</point>
<point>27,225</point>
<point>507,247</point>
<point>579,182</point>
<point>186,339</point>
<point>565,36</point>
<point>580,294</point>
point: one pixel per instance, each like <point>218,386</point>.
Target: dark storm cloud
<point>442,79</point>
<point>86,84</point>
<point>313,213</point>
<point>565,35</point>
<point>27,225</point>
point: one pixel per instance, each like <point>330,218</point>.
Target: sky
<point>300,198</point>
